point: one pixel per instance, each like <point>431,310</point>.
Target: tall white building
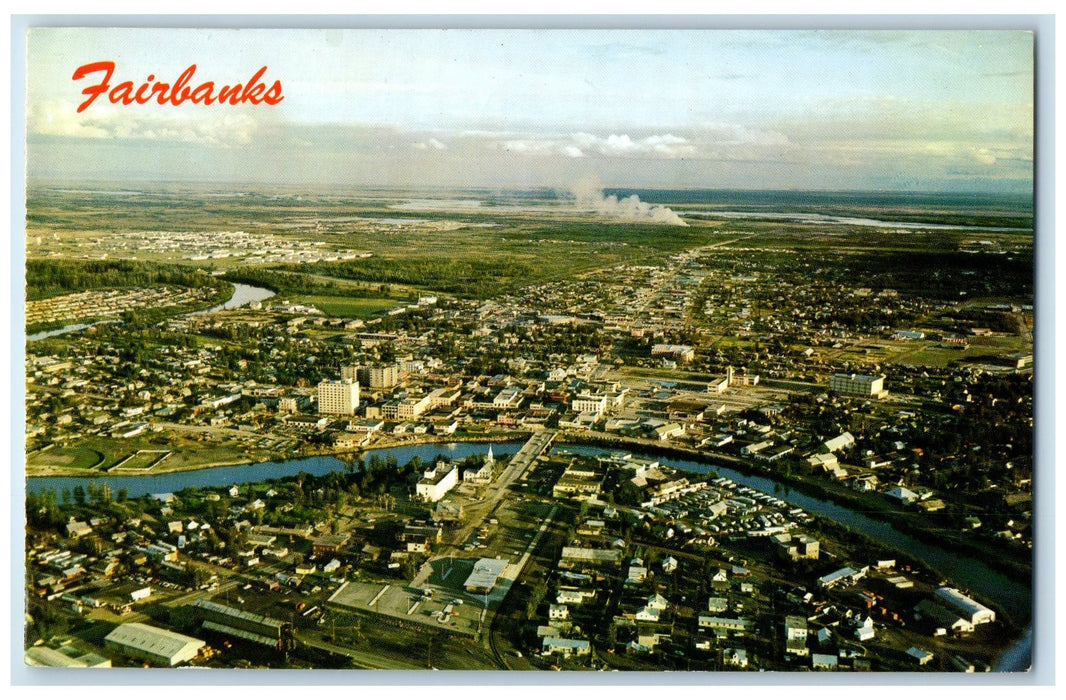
<point>376,377</point>
<point>338,397</point>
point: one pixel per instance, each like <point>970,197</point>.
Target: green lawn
<point>68,457</point>
<point>349,307</point>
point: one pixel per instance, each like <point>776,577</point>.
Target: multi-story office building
<point>339,397</point>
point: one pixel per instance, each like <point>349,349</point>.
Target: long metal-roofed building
<point>141,641</point>
<point>68,658</point>
<point>251,627</point>
<point>973,611</point>
<point>483,578</point>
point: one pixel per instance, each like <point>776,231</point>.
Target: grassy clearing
<point>187,453</point>
<point>141,460</point>
<point>348,306</point>
<point>66,458</point>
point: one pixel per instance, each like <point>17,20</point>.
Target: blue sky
<point>843,109</point>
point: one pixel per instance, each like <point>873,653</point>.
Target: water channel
<point>242,294</point>
<point>1014,596</point>
<point>69,328</point>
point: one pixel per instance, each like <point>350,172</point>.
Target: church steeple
<point>488,458</point>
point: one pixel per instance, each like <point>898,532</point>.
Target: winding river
<point>242,294</point>
<point>967,572</point>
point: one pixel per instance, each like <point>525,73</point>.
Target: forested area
<point>49,278</point>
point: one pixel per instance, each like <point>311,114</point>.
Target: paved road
<point>668,278</point>
<point>520,462</point>
<point>477,512</point>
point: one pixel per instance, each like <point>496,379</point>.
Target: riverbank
<point>913,524</point>
<point>970,573</point>
<point>387,442</point>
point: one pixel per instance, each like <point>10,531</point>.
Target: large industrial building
<point>681,353</point>
<point>857,384</point>
<point>154,644</point>
<point>65,657</point>
<point>971,610</point>
<point>234,622</point>
<point>338,397</point>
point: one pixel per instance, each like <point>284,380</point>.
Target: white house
<point>903,495</point>
<point>657,602</point>
<point>565,647</point>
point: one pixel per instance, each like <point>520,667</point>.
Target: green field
<point>66,457</point>
<point>141,460</point>
<point>348,307</point>
<point>102,453</point>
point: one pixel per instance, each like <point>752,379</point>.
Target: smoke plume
<point>590,196</point>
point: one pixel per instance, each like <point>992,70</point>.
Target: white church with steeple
<point>484,474</point>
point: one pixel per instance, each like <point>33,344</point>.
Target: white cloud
<point>728,142</point>
<point>430,143</point>
<point>661,145</point>
<point>61,118</point>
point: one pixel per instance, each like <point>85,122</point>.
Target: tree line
<point>49,278</point>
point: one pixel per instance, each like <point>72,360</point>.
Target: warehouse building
<point>140,641</point>
<point>234,622</point>
<point>484,576</point>
<point>63,658</point>
<point>971,610</point>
